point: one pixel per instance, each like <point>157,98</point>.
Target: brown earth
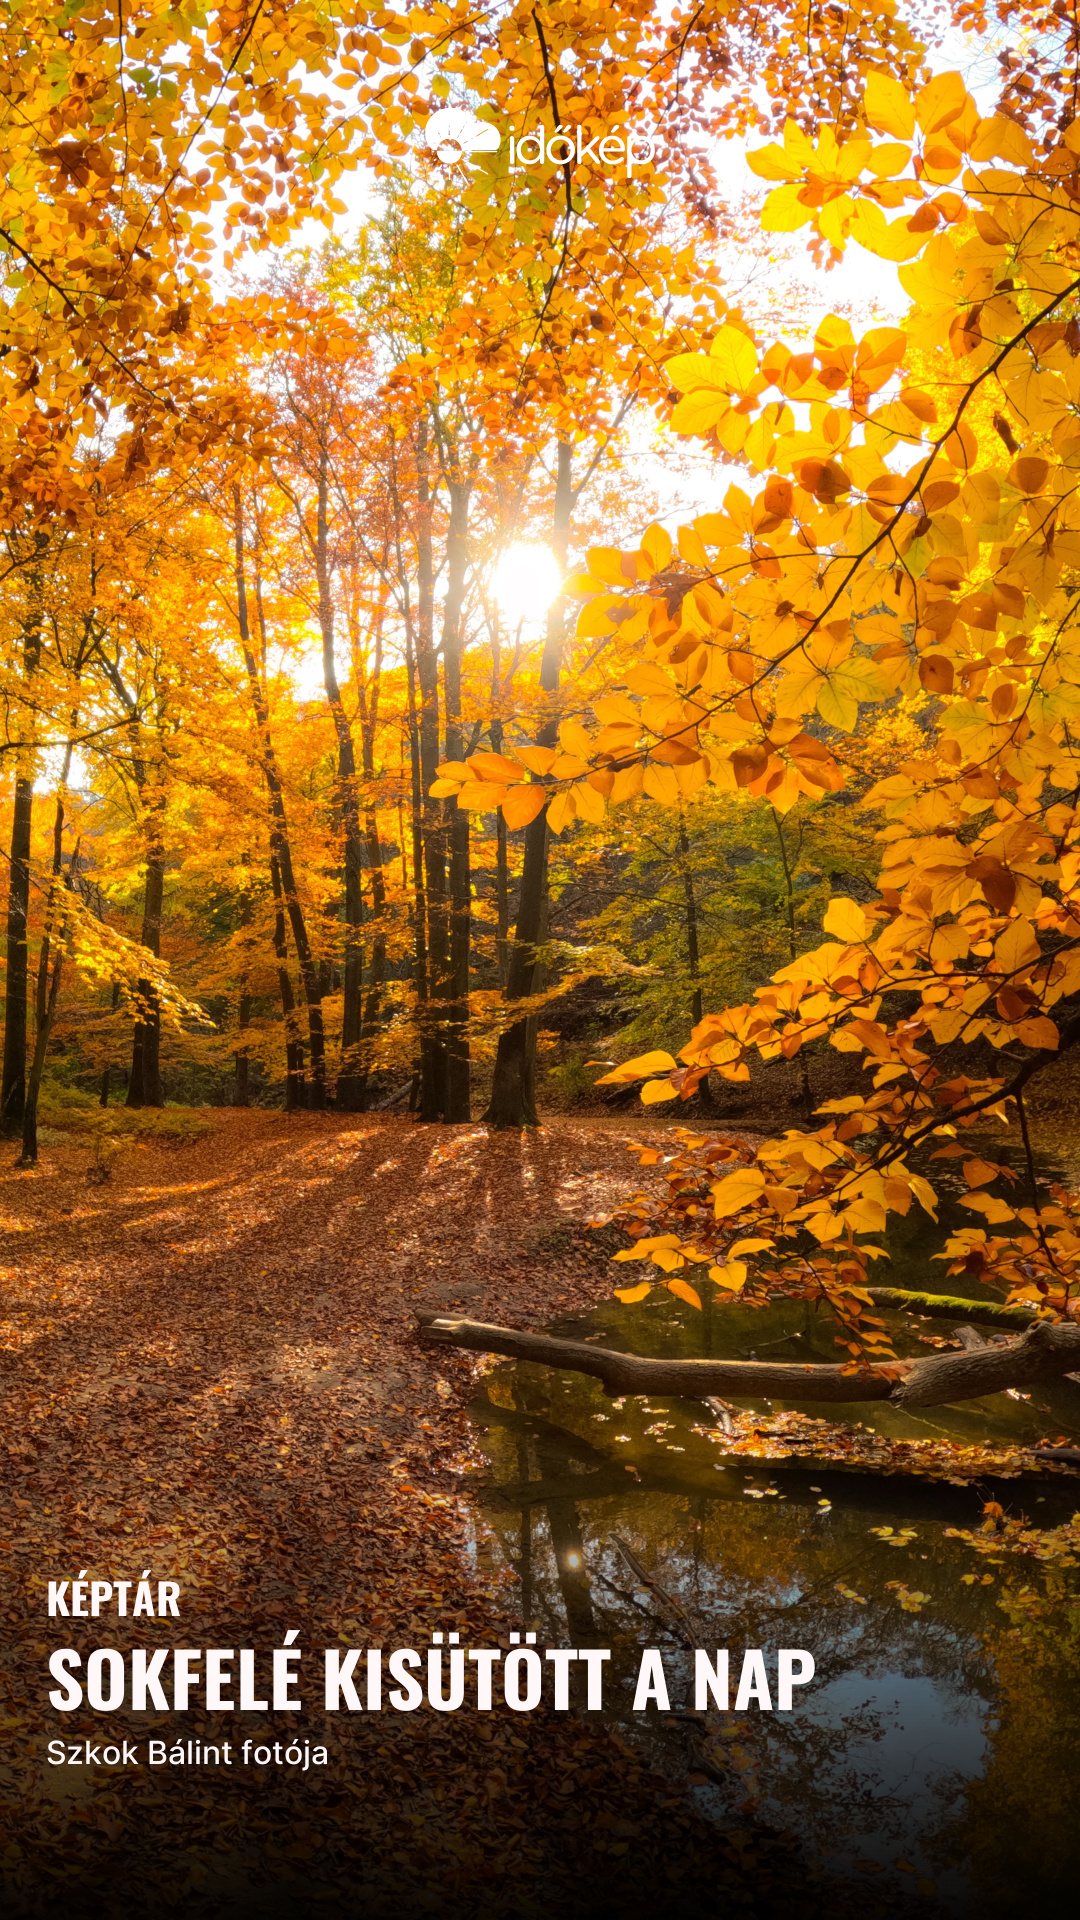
<point>211,1371</point>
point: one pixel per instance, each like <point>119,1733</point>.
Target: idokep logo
<point>453,133</point>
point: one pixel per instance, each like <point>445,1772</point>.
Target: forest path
<point>211,1370</point>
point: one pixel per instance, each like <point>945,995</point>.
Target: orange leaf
<point>684,1292</point>
<point>522,804</point>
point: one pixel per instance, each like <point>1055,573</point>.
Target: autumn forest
<point>540,804</point>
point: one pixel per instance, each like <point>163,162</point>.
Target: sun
<point>525,582</point>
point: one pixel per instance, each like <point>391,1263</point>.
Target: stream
<point>938,1747</point>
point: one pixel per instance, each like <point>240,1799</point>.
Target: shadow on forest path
<point>209,1369</point>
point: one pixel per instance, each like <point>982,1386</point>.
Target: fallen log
<point>1045,1351</point>
<point>943,1306</point>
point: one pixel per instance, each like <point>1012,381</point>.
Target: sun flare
<point>525,582</point>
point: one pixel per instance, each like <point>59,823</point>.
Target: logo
<point>453,133</point>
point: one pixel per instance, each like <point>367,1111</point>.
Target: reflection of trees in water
<point>750,1573</point>
<point>1020,1827</point>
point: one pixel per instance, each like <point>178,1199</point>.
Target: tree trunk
<point>793,950</point>
<point>502,876</point>
<point>692,953</point>
<point>106,1073</point>
<point>1045,1351</point>
<point>241,1091</point>
<point>144,1086</point>
<point>48,991</point>
<point>457,1012</point>
<point>13,1081</point>
<point>419,908</point>
<point>280,847</point>
<point>295,1083</point>
<point>377,975</point>
<point>433,1064</point>
<point>513,1097</point>
<point>13,1095</point>
<point>349,1092</point>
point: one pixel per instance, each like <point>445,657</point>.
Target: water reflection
<point>628,1526</point>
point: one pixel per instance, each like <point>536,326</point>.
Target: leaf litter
<point>210,1369</point>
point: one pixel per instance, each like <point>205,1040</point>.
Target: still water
<point>938,1747</point>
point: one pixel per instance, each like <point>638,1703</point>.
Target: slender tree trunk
<point>513,1097</point>
<point>793,951</point>
<point>349,1093</point>
<point>502,877</point>
<point>295,1083</point>
<point>106,1074</point>
<point>280,847</point>
<point>144,1086</point>
<point>692,952</point>
<point>377,976</point>
<point>416,796</point>
<point>433,1062</point>
<point>13,1083</point>
<point>48,990</point>
<point>13,1097</point>
<point>242,1091</point>
<point>457,1012</point>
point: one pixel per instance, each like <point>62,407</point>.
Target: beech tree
<point>911,541</point>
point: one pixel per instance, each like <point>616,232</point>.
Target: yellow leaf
<point>999,138</point>
<point>442,789</point>
<point>560,811</point>
<point>537,759</point>
<point>638,1068</point>
<point>656,545</point>
<point>628,784</point>
<point>731,1277</point>
<point>846,919</point>
<point>606,563</point>
<point>924,1194</point>
<point>574,739</point>
<point>656,1090</point>
<point>994,1209</point>
<point>684,1292</point>
<point>660,784</point>
<point>692,371</point>
<point>770,163</point>
<point>837,708</point>
<point>889,240</point>
<point>631,1295</point>
<point>942,99</point>
<point>825,1225</point>
<point>784,212</point>
<point>887,106</point>
<point>589,803</point>
<point>737,1190</point>
<point>595,617</point>
<point>735,355</point>
<point>699,412</point>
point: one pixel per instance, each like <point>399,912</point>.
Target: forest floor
<point>210,1369</point>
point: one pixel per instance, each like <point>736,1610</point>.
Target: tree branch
<point>1045,1351</point>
